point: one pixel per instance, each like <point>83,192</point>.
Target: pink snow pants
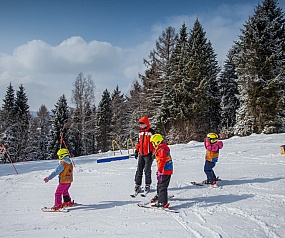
<point>62,190</point>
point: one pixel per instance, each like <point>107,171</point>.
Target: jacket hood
<point>144,120</point>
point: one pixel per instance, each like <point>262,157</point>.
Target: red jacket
<point>144,147</point>
<point>163,159</point>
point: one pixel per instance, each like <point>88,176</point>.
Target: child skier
<point>164,170</point>
<point>65,174</point>
<point>212,146</point>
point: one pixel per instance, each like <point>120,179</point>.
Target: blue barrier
<point>113,158</point>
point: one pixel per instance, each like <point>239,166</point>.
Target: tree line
<point>183,91</point>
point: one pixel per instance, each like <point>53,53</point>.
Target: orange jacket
<point>144,147</point>
<point>163,159</point>
<point>66,176</point>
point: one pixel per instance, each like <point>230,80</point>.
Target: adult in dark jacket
<point>143,152</point>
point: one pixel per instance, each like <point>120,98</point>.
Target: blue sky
<point>44,45</point>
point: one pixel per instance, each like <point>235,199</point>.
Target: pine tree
<point>38,137</point>
<point>20,129</point>
<point>59,128</point>
<point>154,78</point>
<point>229,94</point>
<point>103,121</point>
<point>173,108</point>
<point>7,113</point>
<point>191,101</point>
<point>260,67</point>
<point>44,128</point>
<point>119,131</point>
<point>134,104</point>
<point>204,92</point>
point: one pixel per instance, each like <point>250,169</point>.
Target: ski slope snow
<point>250,200</point>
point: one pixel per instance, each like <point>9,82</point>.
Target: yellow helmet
<point>156,139</point>
<point>213,137</point>
<point>61,153</point>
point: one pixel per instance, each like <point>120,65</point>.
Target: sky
<point>249,202</point>
<point>44,45</point>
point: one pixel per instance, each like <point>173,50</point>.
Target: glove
<point>136,154</point>
<point>46,179</point>
<point>159,176</point>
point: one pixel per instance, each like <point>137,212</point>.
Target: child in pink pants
<point>65,174</point>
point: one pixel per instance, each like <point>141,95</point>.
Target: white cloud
<point>47,72</point>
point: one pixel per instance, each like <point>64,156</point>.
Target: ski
<point>144,194</point>
<point>198,184</point>
<point>157,208</point>
<point>48,209</point>
<point>134,194</point>
<point>204,184</point>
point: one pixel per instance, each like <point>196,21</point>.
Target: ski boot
<point>147,188</point>
<point>160,205</point>
<point>55,208</point>
<point>154,199</point>
<point>137,189</point>
<point>68,204</point>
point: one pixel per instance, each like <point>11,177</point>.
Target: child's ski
<point>48,209</point>
<point>198,184</point>
<point>203,184</point>
<point>157,208</point>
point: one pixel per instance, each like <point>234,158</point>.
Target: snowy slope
<point>250,201</point>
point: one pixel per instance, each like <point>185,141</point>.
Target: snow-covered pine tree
<point>38,137</point>
<point>60,118</point>
<point>20,128</point>
<point>133,109</point>
<point>7,113</point>
<point>7,119</point>
<point>229,94</point>
<point>174,106</point>
<point>260,66</point>
<point>202,70</point>
<point>103,122</point>
<point>119,124</point>
<point>154,79</point>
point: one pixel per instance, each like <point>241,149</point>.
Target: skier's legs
<point>208,169</point>
<point>139,172</point>
<point>62,190</point>
<point>162,189</point>
<point>213,173</point>
<point>58,194</point>
<point>65,193</point>
<point>147,170</point>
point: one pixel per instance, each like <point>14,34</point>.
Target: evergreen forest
<point>183,91</point>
